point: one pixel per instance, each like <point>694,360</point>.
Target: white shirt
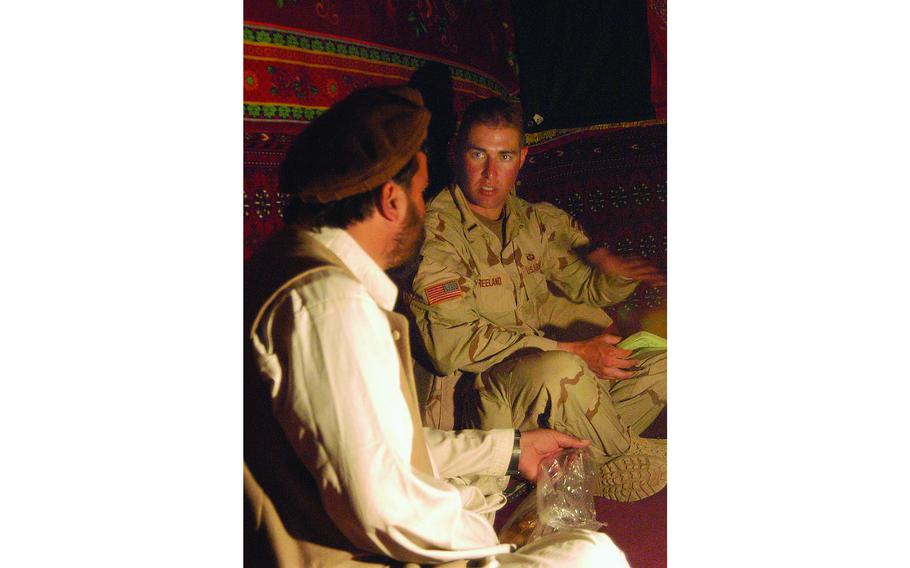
<point>337,395</point>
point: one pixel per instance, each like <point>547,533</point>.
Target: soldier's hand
<point>602,356</point>
<point>633,268</point>
<point>543,443</point>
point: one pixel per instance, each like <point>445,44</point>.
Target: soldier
<point>484,303</point>
<point>337,468</point>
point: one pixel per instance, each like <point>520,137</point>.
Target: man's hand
<point>602,356</point>
<point>543,443</point>
<point>633,268</point>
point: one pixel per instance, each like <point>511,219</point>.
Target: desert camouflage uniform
<point>484,307</point>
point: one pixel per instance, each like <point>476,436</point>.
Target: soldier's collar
<point>469,218</point>
<point>515,218</point>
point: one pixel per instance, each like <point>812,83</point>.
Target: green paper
<point>642,340</point>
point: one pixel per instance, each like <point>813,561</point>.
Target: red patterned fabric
<point>301,57</point>
<point>463,33</point>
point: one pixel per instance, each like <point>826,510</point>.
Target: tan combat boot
<point>639,473</point>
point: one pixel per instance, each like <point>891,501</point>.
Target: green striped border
<point>280,38</point>
<point>270,111</point>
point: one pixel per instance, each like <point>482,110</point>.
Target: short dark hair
<point>312,215</point>
<point>493,111</point>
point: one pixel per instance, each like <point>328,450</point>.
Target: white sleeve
<point>468,452</point>
<point>344,394</point>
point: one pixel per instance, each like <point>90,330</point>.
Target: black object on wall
<point>582,62</point>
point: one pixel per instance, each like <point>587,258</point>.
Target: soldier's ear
<point>392,202</point>
<point>522,154</point>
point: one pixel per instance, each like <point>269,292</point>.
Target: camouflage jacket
<point>476,301</point>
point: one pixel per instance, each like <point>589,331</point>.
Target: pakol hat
<point>359,143</point>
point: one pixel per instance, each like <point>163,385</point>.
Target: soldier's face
<point>489,162</point>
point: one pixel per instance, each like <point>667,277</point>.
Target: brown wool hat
<point>359,143</point>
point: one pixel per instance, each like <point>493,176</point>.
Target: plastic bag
<point>565,496</point>
<point>563,499</point>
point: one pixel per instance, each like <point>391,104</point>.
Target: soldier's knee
<point>558,362</point>
<point>551,367</point>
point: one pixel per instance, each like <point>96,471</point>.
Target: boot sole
<point>649,447</point>
<point>632,478</point>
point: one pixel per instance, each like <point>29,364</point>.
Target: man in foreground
<point>513,292</point>
<point>337,468</point>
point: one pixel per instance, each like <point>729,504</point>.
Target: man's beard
<point>409,240</point>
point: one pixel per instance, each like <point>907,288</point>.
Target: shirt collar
<point>468,219</point>
<point>514,219</point>
<point>378,285</point>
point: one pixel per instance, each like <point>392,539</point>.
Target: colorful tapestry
<point>294,75</point>
<point>476,35</point>
<point>301,57</point>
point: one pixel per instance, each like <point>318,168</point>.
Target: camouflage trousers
<point>556,389</point>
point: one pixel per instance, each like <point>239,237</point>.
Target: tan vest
<point>285,524</point>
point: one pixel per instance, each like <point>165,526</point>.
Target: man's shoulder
<point>541,216</point>
<point>330,285</point>
<point>544,209</point>
<point>443,219</point>
<point>446,240</point>
<point>443,205</point>
<point>315,292</point>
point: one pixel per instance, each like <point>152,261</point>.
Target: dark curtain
<point>583,63</point>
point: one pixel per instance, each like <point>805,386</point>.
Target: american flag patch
<point>443,291</point>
